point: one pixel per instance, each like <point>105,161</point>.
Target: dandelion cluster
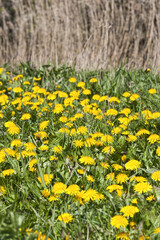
<point>75,151</point>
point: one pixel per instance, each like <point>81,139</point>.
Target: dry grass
<point>86,33</point>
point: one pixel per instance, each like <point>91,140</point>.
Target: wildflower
<point>90,194</point>
<point>90,178</point>
<point>81,84</point>
<point>125,111</point>
<point>65,217</point>
<point>105,165</point>
<point>78,143</point>
<point>93,80</point>
<point>47,178</point>
<point>30,146</point>
<point>157,230</point>
<point>142,131</point>
<point>152,91</point>
<point>96,97</point>
<point>107,138</point>
<point>13,130</point>
<point>53,198</point>
<point>43,148</point>
<point>7,172</point>
<point>129,211</point>
<point>150,198</point>
<point>75,94</point>
<point>2,191</point>
<point>82,130</point>
<point>134,97</point>
<point>53,158</point>
<point>43,125</point>
<point>117,167</point>
<point>16,143</point>
<point>142,187</point>
<point>114,187</point>
<point>72,190</point>
<point>45,192</point>
<point>113,99</point>
<point>58,108</point>
<point>124,157</point>
<point>80,171</point>
<point>132,164</point>
<point>153,138</point>
<point>72,79</point>
<point>116,130</point>
<point>63,119</point>
<point>126,94</point>
<point>119,221</point>
<point>156,176</point>
<point>86,92</point>
<point>59,188</point>
<point>37,79</point>
<point>131,138</point>
<point>90,142</point>
<point>122,236</point>
<point>138,179</point>
<point>58,149</point>
<point>25,116</point>
<point>17,90</point>
<point>134,201</point>
<point>121,178</point>
<point>87,160</point>
<point>111,112</point>
<point>41,134</point>
<point>108,149</point>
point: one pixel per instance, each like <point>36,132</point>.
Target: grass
<point>43,174</point>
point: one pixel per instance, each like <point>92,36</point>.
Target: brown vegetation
<point>85,33</point>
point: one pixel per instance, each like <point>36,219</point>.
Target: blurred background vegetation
<point>90,34</point>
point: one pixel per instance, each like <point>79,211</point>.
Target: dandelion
<point>134,97</point>
<point>121,178</point>
<point>2,191</point>
<point>157,230</point>
<point>81,84</point>
<point>53,198</point>
<point>82,130</point>
<point>43,148</point>
<point>142,132</point>
<point>13,130</point>
<point>126,94</point>
<point>117,167</point>
<point>16,143</point>
<point>86,92</point>
<point>111,112</point>
<point>72,79</point>
<point>134,201</point>
<point>119,221</point>
<point>25,116</point>
<point>63,119</point>
<point>131,138</point>
<point>43,125</point>
<point>152,91</point>
<point>90,178</point>
<point>156,176</point>
<point>151,198</point>
<point>46,192</point>
<point>65,217</point>
<point>142,187</point>
<point>108,149</point>
<point>110,176</point>
<point>125,111</point>
<point>75,94</point>
<point>107,138</point>
<point>58,108</point>
<point>59,188</point>
<point>80,171</point>
<point>17,90</point>
<point>47,178</point>
<point>129,211</point>
<point>72,190</point>
<point>132,164</point>
<point>7,172</point>
<point>87,160</point>
<point>53,158</point>
<point>93,80</point>
<point>58,149</point>
<point>105,165</point>
<point>123,236</point>
<point>153,138</point>
<point>30,146</point>
<point>90,194</point>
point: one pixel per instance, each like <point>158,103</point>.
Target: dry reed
<point>86,33</point>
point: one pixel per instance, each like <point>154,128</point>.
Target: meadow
<point>79,153</point>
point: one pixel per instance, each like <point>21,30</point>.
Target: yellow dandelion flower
<point>152,91</point>
<point>105,165</point>
<point>2,191</point>
<point>86,92</point>
<point>16,143</point>
<point>157,230</point>
<point>78,143</point>
<point>156,176</point>
<point>46,192</point>
<point>63,119</point>
<point>122,236</point>
<point>138,179</point>
<point>53,158</point>
<point>131,138</point>
<point>142,187</point>
<point>13,130</point>
<point>30,146</point>
<point>53,198</point>
<point>82,130</point>
<point>142,132</point>
<point>134,97</point>
<point>80,171</point>
<point>43,147</point>
<point>72,190</point>
<point>153,138</point>
<point>59,188</point>
<point>107,138</point>
<point>114,187</point>
<point>129,211</point>
<point>93,80</point>
<point>119,221</point>
<point>90,178</point>
<point>72,79</point>
<point>121,178</point>
<point>43,125</point>
<point>117,167</point>
<point>47,178</point>
<point>25,116</point>
<point>87,160</point>
<point>75,94</point>
<point>58,108</point>
<point>111,112</point>
<point>90,194</point>
<point>58,149</point>
<point>81,84</point>
<point>65,217</point>
<point>116,130</point>
<point>41,134</point>
<point>7,172</point>
<point>37,78</point>
<point>132,164</point>
<point>17,90</point>
<point>126,94</point>
<point>124,157</point>
<point>125,111</point>
<point>151,198</point>
<point>108,149</point>
<point>110,176</point>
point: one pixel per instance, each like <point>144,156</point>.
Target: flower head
<point>119,221</point>
<point>129,211</point>
<point>65,217</point>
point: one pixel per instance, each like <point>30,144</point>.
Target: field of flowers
<point>79,154</point>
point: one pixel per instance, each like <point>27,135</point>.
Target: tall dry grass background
<point>86,33</point>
